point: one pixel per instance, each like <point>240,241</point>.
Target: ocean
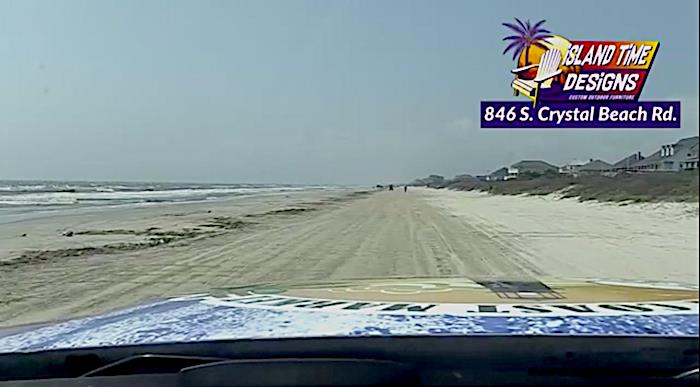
<point>23,196</point>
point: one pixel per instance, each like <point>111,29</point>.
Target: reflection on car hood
<point>392,306</point>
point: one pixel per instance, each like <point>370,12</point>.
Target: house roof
<point>534,166</point>
<point>596,165</point>
<point>693,153</point>
<point>683,150</point>
<point>651,159</point>
<point>572,166</point>
<point>688,141</point>
<point>574,163</point>
<point>628,161</point>
<point>500,172</point>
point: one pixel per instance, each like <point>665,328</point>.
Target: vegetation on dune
<point>624,187</point>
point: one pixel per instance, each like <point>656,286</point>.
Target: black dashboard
<point>368,361</point>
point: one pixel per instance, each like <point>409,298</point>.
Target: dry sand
<point>120,257</point>
<point>567,238</point>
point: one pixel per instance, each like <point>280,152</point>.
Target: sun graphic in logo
<point>538,55</point>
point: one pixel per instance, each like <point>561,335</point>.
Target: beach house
<point>683,155</point>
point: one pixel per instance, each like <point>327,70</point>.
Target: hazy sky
<point>300,91</point>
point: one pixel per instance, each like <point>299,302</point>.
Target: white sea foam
<point>41,195</point>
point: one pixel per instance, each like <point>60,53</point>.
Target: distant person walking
<point>391,187</point>
<point>405,188</point>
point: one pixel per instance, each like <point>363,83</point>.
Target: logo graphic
<point>577,83</point>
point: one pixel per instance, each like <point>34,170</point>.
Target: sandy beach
<point>568,238</point>
<point>91,261</point>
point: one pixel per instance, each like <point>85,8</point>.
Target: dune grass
<point>639,188</point>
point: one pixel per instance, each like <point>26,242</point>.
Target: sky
<point>306,92</point>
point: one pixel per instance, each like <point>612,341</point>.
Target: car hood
<point>388,306</point>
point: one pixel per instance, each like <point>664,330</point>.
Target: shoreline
<point>57,210</point>
<point>43,230</point>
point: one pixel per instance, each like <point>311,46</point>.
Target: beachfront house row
<point>680,156</point>
<point>683,155</point>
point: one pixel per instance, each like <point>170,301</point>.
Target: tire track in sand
<point>384,234</point>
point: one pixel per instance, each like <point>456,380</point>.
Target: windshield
<point>403,157</point>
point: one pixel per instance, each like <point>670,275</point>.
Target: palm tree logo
<point>528,35</point>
